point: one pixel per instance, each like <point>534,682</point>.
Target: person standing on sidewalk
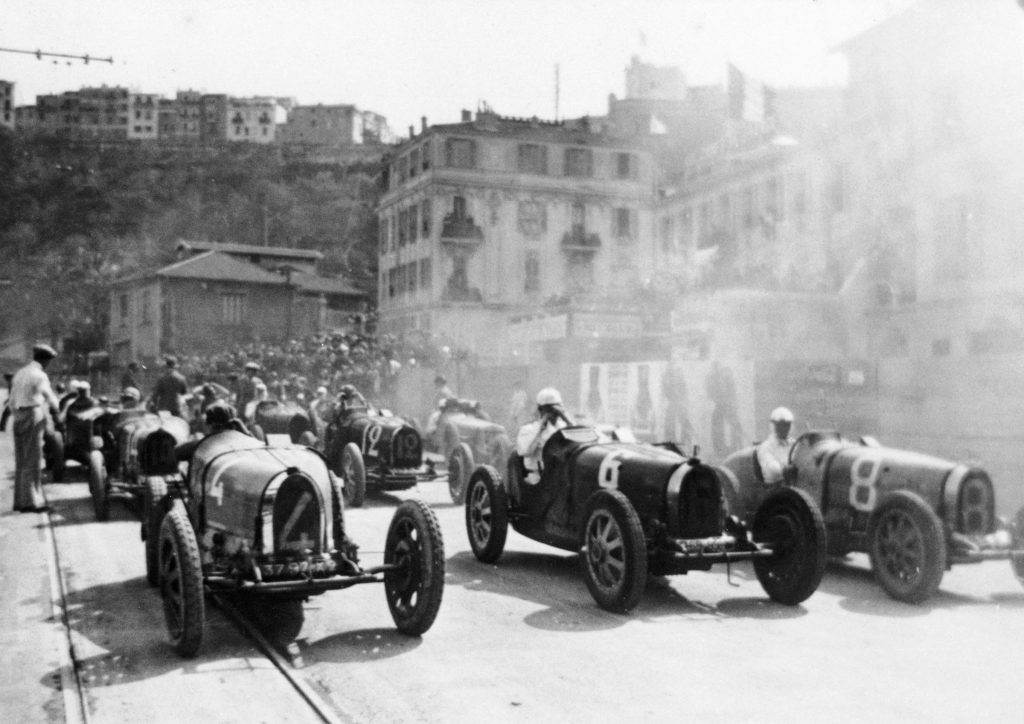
<point>31,400</point>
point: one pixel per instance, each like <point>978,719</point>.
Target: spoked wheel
<point>460,465</point>
<point>907,547</point>
<point>486,514</point>
<point>414,589</point>
<point>154,505</point>
<point>790,524</point>
<point>181,582</point>
<point>614,551</point>
<point>98,485</point>
<point>353,470</point>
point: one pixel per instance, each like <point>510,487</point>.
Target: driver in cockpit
<point>551,417</point>
<point>773,451</point>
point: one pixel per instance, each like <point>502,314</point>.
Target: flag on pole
<point>749,98</point>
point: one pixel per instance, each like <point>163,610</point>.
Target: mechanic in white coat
<point>532,436</point>
<point>773,452</point>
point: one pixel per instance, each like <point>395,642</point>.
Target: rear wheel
<point>154,505</point>
<point>414,589</point>
<point>790,523</point>
<point>1017,546</point>
<point>353,470</point>
<point>907,547</point>
<point>181,582</point>
<point>614,551</point>
<point>460,466</point>
<point>98,485</point>
<point>486,514</point>
<point>53,454</point>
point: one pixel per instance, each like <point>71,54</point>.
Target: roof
<point>215,266</point>
<point>324,285</point>
<point>252,249</point>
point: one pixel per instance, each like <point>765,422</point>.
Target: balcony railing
<point>461,231</point>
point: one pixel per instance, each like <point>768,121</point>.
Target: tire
<point>53,452</point>
<point>1017,546</point>
<point>498,451</point>
<point>791,524</point>
<point>614,551</point>
<point>154,505</point>
<point>257,432</point>
<point>486,514</point>
<point>98,485</point>
<point>353,470</point>
<point>308,439</point>
<point>449,438</point>
<point>181,582</point>
<point>414,590</point>
<point>460,466</point>
<point>907,547</point>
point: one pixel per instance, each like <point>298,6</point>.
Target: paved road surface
<point>523,642</point>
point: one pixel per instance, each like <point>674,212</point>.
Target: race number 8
<point>608,473</point>
<point>863,476</point>
<point>372,440</point>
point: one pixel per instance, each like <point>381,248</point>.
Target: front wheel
<point>353,470</point>
<point>460,466</point>
<point>907,547</point>
<point>154,505</point>
<point>53,453</point>
<point>98,485</point>
<point>614,551</point>
<point>414,589</point>
<point>789,523</point>
<point>486,514</point>
<point>181,582</point>
<point>1017,546</point>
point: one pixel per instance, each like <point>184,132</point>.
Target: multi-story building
<point>334,125</point>
<point>143,116</point>
<point>7,119</point>
<point>251,119</point>
<point>494,218</point>
<point>214,108</point>
<point>181,116</point>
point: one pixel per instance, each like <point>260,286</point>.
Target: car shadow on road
<point>360,646</point>
<point>72,505</point>
<point>556,582</point>
<point>859,592</point>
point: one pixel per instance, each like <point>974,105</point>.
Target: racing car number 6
<point>608,473</point>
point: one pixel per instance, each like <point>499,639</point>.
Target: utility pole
<point>40,53</point>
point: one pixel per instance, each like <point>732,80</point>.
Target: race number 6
<point>863,476</point>
<point>608,473</point>
<point>372,440</point>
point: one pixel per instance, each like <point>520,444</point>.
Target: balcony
<point>578,241</point>
<point>461,231</point>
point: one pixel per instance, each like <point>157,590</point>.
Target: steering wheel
<point>800,441</point>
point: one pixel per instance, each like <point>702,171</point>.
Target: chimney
<point>467,116</point>
<point>423,124</point>
<point>412,132</point>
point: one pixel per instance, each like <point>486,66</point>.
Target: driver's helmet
<point>347,392</point>
<point>781,414</point>
<point>218,415</point>
<point>549,396</point>
<point>131,394</point>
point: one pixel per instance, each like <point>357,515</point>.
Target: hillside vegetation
<point>75,216</point>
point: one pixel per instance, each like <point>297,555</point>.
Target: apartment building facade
<point>7,115</point>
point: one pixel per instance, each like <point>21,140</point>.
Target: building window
<point>426,156</point>
<point>425,218</point>
<point>413,223</point>
<point>232,308</point>
<point>460,153</point>
<point>625,165</point>
<point>391,282</point>
<point>146,314</point>
<point>579,162</point>
<point>426,277</point>
<point>624,225</point>
<point>123,309</point>
<point>459,207</point>
<point>403,227</point>
<point>532,218</point>
<point>414,162</point>
<point>533,158</point>
<point>532,278</point>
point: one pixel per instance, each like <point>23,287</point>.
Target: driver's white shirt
<point>773,456</point>
<point>530,444</point>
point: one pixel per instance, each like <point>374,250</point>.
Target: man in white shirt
<point>773,452</point>
<point>532,436</point>
<point>31,400</point>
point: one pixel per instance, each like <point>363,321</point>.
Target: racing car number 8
<point>863,476</point>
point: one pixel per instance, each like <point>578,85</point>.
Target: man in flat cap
<point>248,392</point>
<point>170,389</point>
<point>32,399</point>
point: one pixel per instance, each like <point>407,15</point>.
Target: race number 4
<point>608,473</point>
<point>371,441</point>
<point>217,490</point>
<point>863,479</point>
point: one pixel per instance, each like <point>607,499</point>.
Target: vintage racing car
<point>914,515</point>
<point>369,447</point>
<point>127,448</point>
<point>285,418</point>
<point>268,521</point>
<point>631,509</point>
<point>466,436</point>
